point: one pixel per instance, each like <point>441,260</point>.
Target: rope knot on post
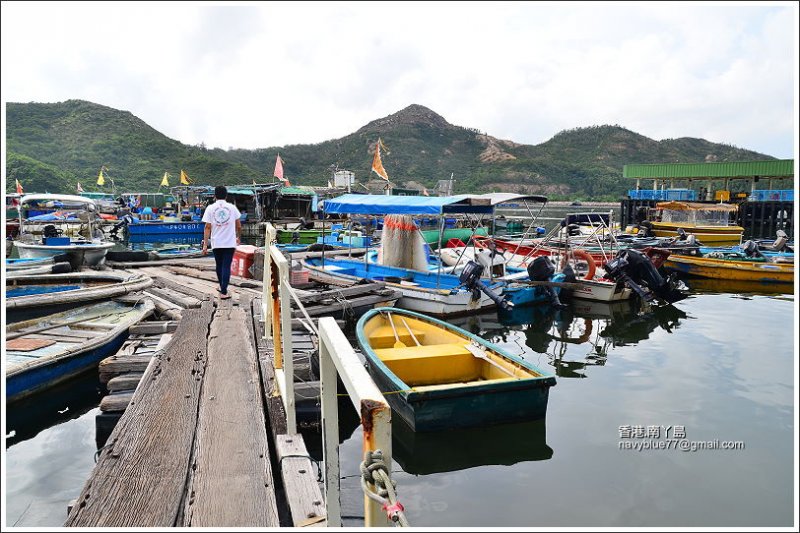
<point>380,487</point>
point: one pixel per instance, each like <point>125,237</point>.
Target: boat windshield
<point>700,214</point>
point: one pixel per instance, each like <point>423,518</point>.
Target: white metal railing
<point>337,358</point>
<point>277,313</point>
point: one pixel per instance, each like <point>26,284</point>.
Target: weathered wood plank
<point>151,327</point>
<point>231,453</point>
<point>140,476</point>
<point>124,382</point>
<point>275,410</point>
<point>187,302</point>
<point>244,283</point>
<point>300,482</point>
<point>164,282</point>
<point>116,402</point>
<point>132,357</point>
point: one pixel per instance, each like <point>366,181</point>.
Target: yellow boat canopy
<point>694,206</point>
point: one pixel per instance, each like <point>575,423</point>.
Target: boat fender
<point>585,256</point>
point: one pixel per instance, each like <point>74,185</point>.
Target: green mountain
<point>50,147</point>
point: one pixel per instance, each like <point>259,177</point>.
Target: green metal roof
<point>745,169</point>
<point>298,190</point>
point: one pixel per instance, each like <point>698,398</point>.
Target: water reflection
<point>597,326</point>
<point>28,417</point>
<point>721,286</point>
<point>434,452</point>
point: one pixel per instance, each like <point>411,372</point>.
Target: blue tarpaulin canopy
<point>378,204</point>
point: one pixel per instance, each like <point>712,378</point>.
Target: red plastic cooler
<point>242,260</point>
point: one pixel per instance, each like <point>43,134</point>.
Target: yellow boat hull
<point>727,269</point>
<point>708,235</point>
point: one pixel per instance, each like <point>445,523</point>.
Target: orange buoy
<point>586,256</point>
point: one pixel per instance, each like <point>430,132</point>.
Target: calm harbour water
<point>719,364</point>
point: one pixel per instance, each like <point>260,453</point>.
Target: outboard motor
<point>304,224</point>
<point>542,269</point>
<point>645,229</point>
<point>470,278</point>
<point>50,231</point>
<point>635,270</point>
<point>121,225</point>
<point>781,242</point>
<point>750,249</point>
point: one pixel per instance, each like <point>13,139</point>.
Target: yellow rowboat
<point>716,286</point>
<point>438,376</point>
<point>759,270</point>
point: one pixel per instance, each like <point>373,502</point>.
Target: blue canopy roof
<point>379,204</point>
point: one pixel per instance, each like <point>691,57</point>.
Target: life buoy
<point>586,256</point>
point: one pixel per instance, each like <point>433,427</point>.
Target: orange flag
<point>377,165</point>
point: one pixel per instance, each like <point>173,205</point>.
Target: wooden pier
<point>199,435</point>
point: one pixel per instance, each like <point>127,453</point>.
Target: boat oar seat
<point>383,337</point>
<point>415,352</point>
<point>436,363</point>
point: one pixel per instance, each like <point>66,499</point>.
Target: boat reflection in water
<point>721,286</point>
<point>420,453</point>
<point>58,404</point>
<point>598,326</point>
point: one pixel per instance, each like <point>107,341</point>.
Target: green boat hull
<point>304,236</point>
<point>432,235</point>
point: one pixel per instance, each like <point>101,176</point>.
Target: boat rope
<point>380,487</point>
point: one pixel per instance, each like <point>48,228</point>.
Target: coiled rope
<point>379,487</point>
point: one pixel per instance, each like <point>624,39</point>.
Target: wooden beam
<point>140,476</point>
<point>299,477</point>
<point>230,476</point>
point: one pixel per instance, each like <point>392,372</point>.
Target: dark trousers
<point>224,258</point>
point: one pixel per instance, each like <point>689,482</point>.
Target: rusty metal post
<point>337,357</point>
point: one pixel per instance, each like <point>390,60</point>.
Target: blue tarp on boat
<point>378,204</point>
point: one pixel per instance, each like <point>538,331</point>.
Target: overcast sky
<point>273,74</point>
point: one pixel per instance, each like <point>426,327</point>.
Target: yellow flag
<point>185,178</point>
<point>164,181</point>
<point>100,179</point>
<point>377,165</point>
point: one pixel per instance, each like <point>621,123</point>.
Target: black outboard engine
<point>50,231</point>
<point>750,249</point>
<point>470,278</point>
<point>635,270</point>
<point>542,269</point>
<point>121,225</point>
<point>645,229</point>
<point>304,224</point>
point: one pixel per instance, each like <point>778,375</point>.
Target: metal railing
<point>337,359</point>
<point>277,313</point>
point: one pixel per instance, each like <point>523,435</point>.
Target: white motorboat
<point>85,248</point>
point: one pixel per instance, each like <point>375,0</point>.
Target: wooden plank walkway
<point>194,445</point>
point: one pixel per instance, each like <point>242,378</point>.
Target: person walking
<point>223,229</point>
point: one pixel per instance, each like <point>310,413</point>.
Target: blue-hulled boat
<point>160,227</point>
<point>31,296</point>
<point>427,292</point>
<point>46,351</point>
<point>438,376</point>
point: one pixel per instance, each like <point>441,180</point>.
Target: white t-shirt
<point>222,216</point>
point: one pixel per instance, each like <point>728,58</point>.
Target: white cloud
<point>261,75</point>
